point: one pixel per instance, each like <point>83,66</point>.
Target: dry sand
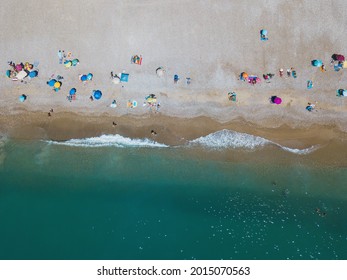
<point>209,41</point>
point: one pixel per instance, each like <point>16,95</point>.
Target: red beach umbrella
<point>277,100</point>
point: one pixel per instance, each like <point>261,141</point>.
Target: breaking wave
<point>109,140</point>
<point>225,139</point>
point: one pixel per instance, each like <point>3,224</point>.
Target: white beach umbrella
<point>116,80</point>
<point>160,72</point>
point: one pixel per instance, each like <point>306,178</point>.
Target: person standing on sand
<point>281,72</point>
<point>289,72</point>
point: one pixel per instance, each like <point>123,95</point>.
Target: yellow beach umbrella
<point>68,63</point>
<point>57,84</point>
<point>151,100</point>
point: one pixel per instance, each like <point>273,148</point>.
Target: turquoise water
<point>67,202</point>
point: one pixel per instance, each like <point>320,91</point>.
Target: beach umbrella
<point>263,32</point>
<point>316,63</point>
<point>72,91</point>
<point>8,73</point>
<point>21,75</point>
<point>57,84</point>
<point>68,63</point>
<point>116,80</point>
<point>338,57</point>
<point>97,94</point>
<point>51,82</point>
<point>83,78</point>
<point>151,100</point>
<point>277,100</point>
<point>89,76</point>
<point>243,76</point>
<point>19,67</point>
<point>160,72</point>
<point>74,62</point>
<point>33,74</point>
<point>341,92</point>
<point>124,77</point>
<point>22,98</point>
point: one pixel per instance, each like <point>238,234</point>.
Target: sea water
<point>111,197</point>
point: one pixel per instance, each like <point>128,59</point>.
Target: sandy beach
<point>207,42</point>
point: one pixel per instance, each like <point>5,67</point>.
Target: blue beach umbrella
<point>75,62</point>
<point>90,76</point>
<point>8,73</point>
<point>83,78</point>
<point>22,98</point>
<point>97,94</point>
<point>51,82</point>
<point>33,74</point>
<point>263,32</point>
<point>72,91</point>
<point>316,63</point>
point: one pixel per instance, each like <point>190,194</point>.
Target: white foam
<point>231,139</point>
<point>109,140</point>
<point>300,151</point>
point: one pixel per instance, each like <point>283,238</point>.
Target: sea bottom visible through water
<point>138,202</point>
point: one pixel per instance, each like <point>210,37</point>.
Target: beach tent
<point>33,74</point>
<point>89,76</point>
<point>72,91</point>
<point>316,63</point>
<point>84,78</point>
<point>338,57</point>
<point>116,80</point>
<point>8,73</point>
<point>22,98</point>
<point>74,62</point>
<point>21,75</point>
<point>160,71</point>
<point>97,94</point>
<point>124,77</point>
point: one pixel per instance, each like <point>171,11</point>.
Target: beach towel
<point>124,77</point>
